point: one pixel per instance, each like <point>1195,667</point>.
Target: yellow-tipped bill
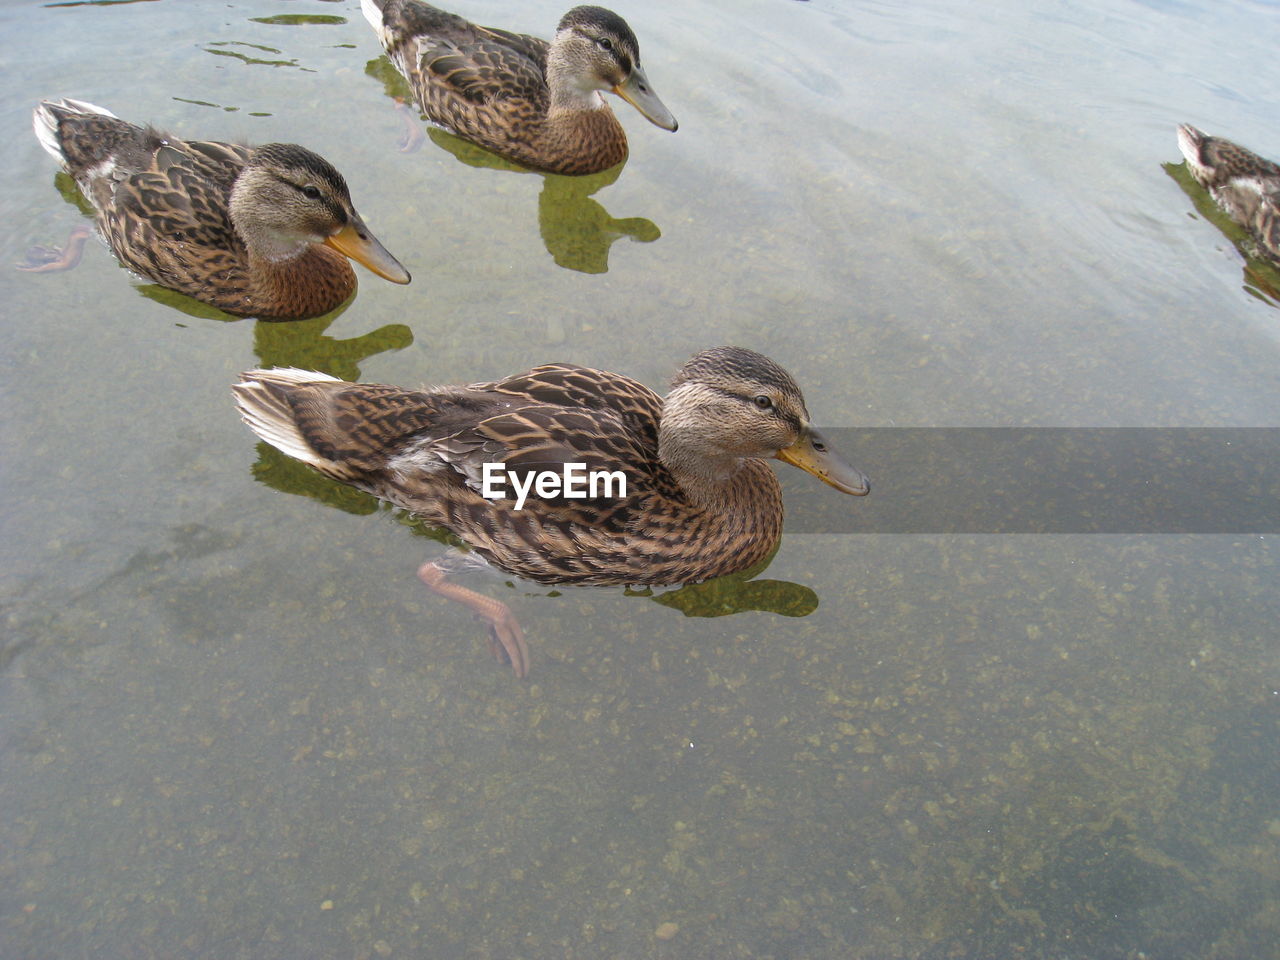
<point>812,454</point>
<point>355,241</point>
<point>637,92</point>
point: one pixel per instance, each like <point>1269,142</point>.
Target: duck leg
<point>41,259</point>
<point>506,639</point>
<point>412,138</point>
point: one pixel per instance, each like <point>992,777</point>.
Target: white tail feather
<point>372,11</point>
<point>267,415</point>
<point>45,123</point>
<point>1189,141</point>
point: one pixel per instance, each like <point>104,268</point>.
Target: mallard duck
<point>1244,184</point>
<point>699,500</point>
<point>255,231</point>
<point>536,103</point>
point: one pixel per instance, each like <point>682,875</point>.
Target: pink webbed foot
<point>412,139</point>
<point>41,259</point>
<point>506,639</point>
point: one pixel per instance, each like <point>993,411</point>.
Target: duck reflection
<point>304,344</point>
<point>576,230</point>
<point>741,593</point>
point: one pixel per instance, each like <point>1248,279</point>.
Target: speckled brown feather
<point>1244,184</point>
<point>490,86</point>
<point>423,451</point>
<point>163,207</point>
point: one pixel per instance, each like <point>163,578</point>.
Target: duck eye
<point>605,43</point>
<point>763,402</point>
<point>311,191</point>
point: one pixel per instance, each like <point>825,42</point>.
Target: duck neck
<point>739,502</point>
<point>580,125</point>
<point>713,481</point>
<point>290,274</point>
<point>313,281</point>
<point>264,241</point>
<point>572,89</point>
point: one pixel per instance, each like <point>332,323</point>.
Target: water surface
<point>234,725</point>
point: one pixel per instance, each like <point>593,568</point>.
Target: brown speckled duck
<point>536,103</point>
<point>700,500</point>
<point>1244,184</point>
<point>255,231</point>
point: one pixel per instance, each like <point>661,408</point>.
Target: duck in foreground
<point>698,501</point>
<point>255,231</point>
<point>1244,184</point>
<point>533,102</point>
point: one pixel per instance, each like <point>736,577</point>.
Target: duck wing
<point>480,65</point>
<point>541,439</point>
<point>1216,161</point>
<point>403,444</point>
<point>569,385</point>
<point>171,221</point>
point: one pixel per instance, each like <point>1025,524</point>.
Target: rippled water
<point>232,724</point>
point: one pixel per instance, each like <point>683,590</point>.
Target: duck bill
<point>355,241</point>
<point>637,92</point>
<point>812,454</point>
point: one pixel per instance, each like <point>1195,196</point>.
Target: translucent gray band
<point>1048,480</point>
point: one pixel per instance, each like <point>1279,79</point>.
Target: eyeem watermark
<point>573,482</point>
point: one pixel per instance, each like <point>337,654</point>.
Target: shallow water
<point>232,724</point>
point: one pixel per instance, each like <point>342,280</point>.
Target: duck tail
<point>372,10</point>
<point>47,122</point>
<point>1191,142</point>
<point>262,397</point>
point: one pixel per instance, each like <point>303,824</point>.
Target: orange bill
<point>355,241</point>
<point>812,454</point>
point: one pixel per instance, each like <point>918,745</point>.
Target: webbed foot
<point>42,259</point>
<point>412,138</point>
<point>506,639</point>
